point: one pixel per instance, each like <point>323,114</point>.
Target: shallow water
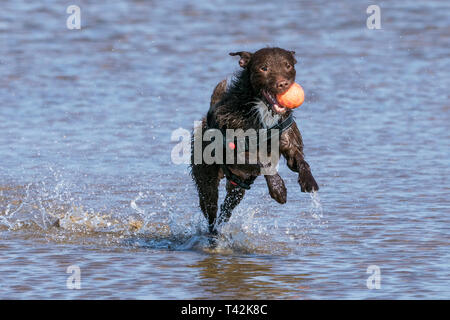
<point>86,118</point>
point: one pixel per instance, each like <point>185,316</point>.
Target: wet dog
<point>249,102</point>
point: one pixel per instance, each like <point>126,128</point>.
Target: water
<point>86,118</point>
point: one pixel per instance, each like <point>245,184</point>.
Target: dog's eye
<point>264,68</point>
<point>288,66</point>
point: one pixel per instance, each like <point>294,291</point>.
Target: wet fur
<point>239,106</point>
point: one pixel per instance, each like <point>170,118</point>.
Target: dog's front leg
<point>277,189</point>
<point>291,147</point>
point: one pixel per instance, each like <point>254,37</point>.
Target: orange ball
<point>293,97</point>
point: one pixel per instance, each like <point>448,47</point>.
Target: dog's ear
<point>245,57</point>
<point>293,56</point>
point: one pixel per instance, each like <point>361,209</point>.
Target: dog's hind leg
<point>206,177</point>
<point>232,199</point>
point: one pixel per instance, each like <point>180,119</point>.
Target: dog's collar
<point>284,125</point>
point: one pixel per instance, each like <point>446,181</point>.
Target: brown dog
<point>250,103</point>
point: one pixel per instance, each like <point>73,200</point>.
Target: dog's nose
<point>282,85</point>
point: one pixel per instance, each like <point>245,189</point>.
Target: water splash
<point>150,219</point>
<point>316,209</point>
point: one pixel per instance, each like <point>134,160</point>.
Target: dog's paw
<point>277,189</point>
<point>307,182</point>
<point>280,195</point>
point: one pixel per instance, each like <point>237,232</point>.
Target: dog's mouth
<point>272,102</point>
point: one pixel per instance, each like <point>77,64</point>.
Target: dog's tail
<point>218,92</point>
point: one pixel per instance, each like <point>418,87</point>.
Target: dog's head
<point>271,72</point>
